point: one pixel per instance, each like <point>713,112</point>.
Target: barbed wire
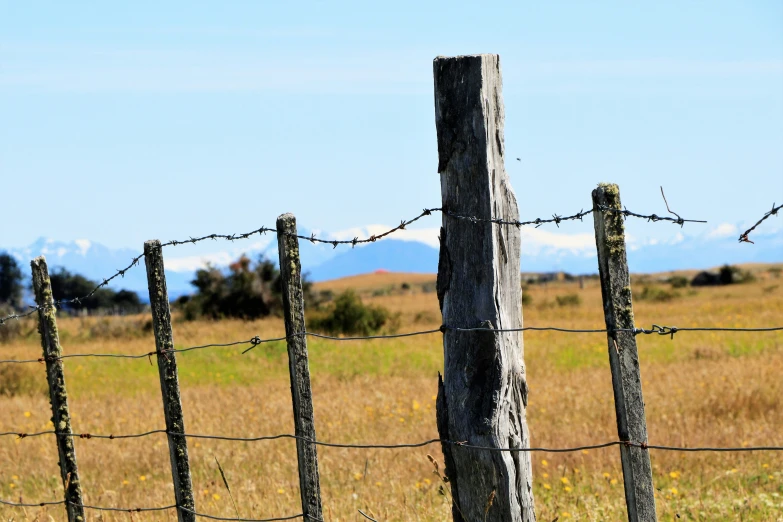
<point>556,219</point>
<point>774,212</point>
<point>408,445</point>
<point>148,509</point>
<point>256,341</point>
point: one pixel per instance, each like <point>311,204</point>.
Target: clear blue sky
<point>121,123</point>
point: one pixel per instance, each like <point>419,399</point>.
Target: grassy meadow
<point>701,389</point>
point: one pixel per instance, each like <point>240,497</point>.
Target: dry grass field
<point>701,389</point>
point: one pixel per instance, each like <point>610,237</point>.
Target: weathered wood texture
<point>55,375</point>
<point>299,369</point>
<point>169,380</point>
<point>483,394</point>
<point>623,355</point>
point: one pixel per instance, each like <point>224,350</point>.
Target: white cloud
<point>723,230</point>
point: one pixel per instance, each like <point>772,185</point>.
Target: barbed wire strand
<point>149,509</point>
<point>774,212</point>
<point>556,219</point>
<point>256,341</point>
<point>408,445</point>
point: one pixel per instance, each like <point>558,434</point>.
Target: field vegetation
<point>701,389</point>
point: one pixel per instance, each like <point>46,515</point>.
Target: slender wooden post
<point>169,381</point>
<point>55,375</point>
<point>623,355</point>
<point>483,394</point>
<point>299,369</point>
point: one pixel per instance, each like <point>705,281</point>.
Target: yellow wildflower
<point>547,486</point>
<point>674,474</point>
<point>564,480</point>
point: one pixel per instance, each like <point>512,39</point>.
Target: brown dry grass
<point>707,389</point>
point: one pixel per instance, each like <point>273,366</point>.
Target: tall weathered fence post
<point>169,381</point>
<point>298,367</point>
<point>483,394</point>
<point>623,355</point>
<point>55,376</point>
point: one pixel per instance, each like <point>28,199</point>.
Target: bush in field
<point>66,286</point>
<point>730,274</point>
<point>348,315</point>
<point>678,281</point>
<point>247,291</point>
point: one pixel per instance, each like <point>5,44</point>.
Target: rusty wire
<point>774,212</point>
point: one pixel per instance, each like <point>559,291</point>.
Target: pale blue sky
<point>169,119</point>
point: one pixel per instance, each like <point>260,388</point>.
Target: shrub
<point>568,300</point>
<point>527,299</point>
<point>657,294</point>
<point>247,291</point>
<point>730,274</point>
<point>678,281</point>
<point>348,315</point>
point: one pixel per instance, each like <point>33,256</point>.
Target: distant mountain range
<point>542,251</point>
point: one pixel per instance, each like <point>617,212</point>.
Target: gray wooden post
<point>302,394</point>
<point>623,355</point>
<point>169,380</point>
<point>55,375</point>
<point>482,395</point>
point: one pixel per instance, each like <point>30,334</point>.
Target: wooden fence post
<point>55,375</point>
<point>483,394</point>
<point>299,369</point>
<point>169,381</point>
<point>623,355</point>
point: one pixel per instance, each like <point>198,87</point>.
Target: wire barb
<point>774,212</point>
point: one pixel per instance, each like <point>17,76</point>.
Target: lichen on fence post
<point>169,381</point>
<point>623,354</point>
<point>299,369</point>
<point>58,396</point>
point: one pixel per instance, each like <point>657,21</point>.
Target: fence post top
<point>467,56</point>
<point>152,243</point>
<point>38,261</point>
<point>286,218</point>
